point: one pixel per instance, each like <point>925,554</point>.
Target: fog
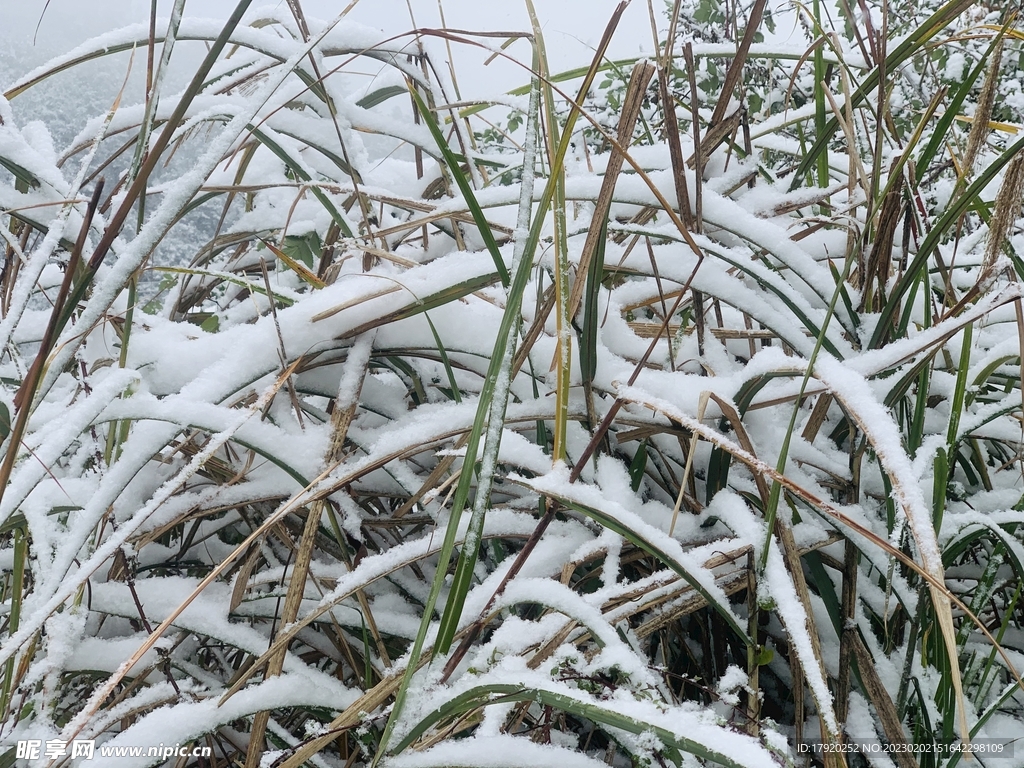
<point>571,27</point>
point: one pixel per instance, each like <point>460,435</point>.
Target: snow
<point>777,587</point>
<point>556,483</point>
<point>187,451</point>
<point>186,721</point>
<point>494,752</point>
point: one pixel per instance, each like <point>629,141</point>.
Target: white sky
<point>572,27</point>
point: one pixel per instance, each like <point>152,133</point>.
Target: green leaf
<point>5,422</point>
<point>637,467</point>
<point>381,95</point>
<point>24,177</point>
<point>482,225</point>
<point>304,248</point>
<point>608,716</point>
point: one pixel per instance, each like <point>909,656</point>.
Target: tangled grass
<point>673,417</point>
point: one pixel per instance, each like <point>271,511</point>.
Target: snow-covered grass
<point>673,417</point>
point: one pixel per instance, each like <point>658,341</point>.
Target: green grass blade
<point>957,208</point>
<point>482,225</point>
<point>603,715</point>
<point>649,544</point>
<point>912,45</point>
